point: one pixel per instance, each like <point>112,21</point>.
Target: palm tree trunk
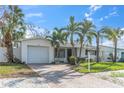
<point>80,48</point>
<point>10,53</point>
<point>54,54</point>
<point>58,54</point>
<point>8,44</point>
<point>73,51</point>
<point>97,50</point>
<point>115,51</point>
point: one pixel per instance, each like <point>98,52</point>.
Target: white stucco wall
<point>3,50</point>
<point>17,52</point>
<point>36,42</point>
<point>3,57</point>
<point>105,51</point>
<point>82,53</point>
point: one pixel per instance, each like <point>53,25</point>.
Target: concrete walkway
<point>56,76</point>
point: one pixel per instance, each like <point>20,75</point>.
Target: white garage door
<point>38,54</point>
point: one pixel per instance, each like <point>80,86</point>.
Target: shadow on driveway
<point>55,73</point>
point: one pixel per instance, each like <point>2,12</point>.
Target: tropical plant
<point>113,34</point>
<point>86,33</point>
<point>72,60</point>
<point>72,28</point>
<point>57,38</point>
<point>13,28</point>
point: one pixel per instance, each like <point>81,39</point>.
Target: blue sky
<point>51,16</point>
<point>58,16</point>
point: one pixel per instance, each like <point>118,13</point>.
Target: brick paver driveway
<point>57,76</point>
<point>61,75</point>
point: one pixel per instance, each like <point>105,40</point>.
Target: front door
<point>69,53</point>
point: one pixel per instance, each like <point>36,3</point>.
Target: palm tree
<point>13,25</point>
<point>86,32</point>
<point>18,35</point>
<point>97,46</point>
<point>72,28</point>
<point>113,34</point>
<point>57,38</point>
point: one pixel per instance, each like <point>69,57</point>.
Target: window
<point>61,53</point>
<point>92,52</point>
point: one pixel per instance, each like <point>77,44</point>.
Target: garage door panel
<point>38,54</point>
<point>38,60</point>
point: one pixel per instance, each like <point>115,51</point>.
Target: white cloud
<point>34,15</point>
<point>113,13</point>
<point>92,9</point>
<point>86,15</point>
<point>101,19</point>
<point>106,17</point>
<point>109,15</point>
<point>95,7</point>
<point>122,28</point>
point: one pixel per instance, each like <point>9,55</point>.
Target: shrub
<point>72,60</point>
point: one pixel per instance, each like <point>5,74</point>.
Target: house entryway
<point>69,53</point>
<point>64,54</point>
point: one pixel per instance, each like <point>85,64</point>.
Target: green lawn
<point>15,70</point>
<point>100,67</point>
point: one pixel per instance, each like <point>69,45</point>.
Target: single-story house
<point>37,50</point>
<point>41,51</point>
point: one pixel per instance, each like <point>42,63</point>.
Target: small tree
<point>58,37</point>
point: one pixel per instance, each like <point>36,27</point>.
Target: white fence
<point>3,50</point>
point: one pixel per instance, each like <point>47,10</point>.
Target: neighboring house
<point>40,51</point>
<point>105,52</point>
